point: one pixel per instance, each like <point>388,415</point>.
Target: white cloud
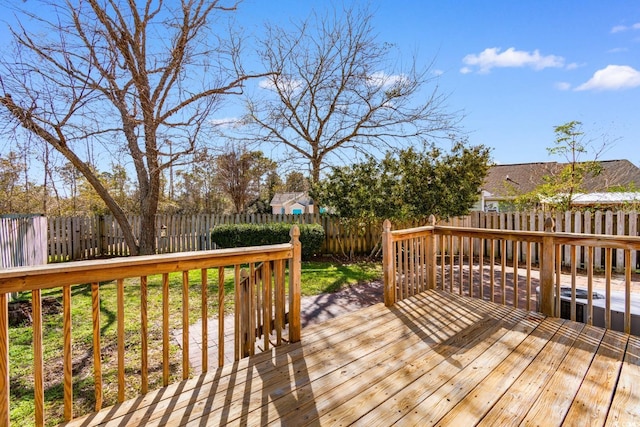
<point>382,79</point>
<point>494,58</point>
<point>618,50</point>
<point>563,86</point>
<point>622,28</point>
<point>227,122</point>
<point>466,70</point>
<point>619,29</point>
<point>283,82</point>
<point>612,77</point>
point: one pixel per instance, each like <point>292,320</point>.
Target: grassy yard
<point>317,277</point>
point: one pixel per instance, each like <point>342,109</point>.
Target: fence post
<point>388,264</point>
<point>76,250</point>
<point>295,271</point>
<point>546,270</point>
<point>101,237</point>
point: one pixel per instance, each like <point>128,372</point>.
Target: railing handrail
<point>564,238</point>
<point>265,292</point>
<point>412,256</point>
<point>21,279</point>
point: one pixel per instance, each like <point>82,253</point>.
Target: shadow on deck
<point>434,358</point>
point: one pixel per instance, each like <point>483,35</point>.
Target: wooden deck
<point>434,358</point>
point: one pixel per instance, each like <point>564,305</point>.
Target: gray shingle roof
<point>509,180</point>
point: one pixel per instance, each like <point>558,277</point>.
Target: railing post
<point>295,271</point>
<point>4,359</point>
<point>546,270</point>
<point>388,266</point>
<point>431,254</point>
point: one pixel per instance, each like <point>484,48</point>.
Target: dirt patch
<point>21,312</point>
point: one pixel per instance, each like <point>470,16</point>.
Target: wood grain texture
<point>204,301</point>
<point>97,348</point>
<point>38,364</point>
<point>67,355</point>
<point>165,330</point>
<point>121,348</point>
<point>144,336</point>
<point>185,325</point>
<point>4,359</point>
<point>432,359</point>
<point>220,316</point>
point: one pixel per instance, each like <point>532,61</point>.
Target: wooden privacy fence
<point>23,241</point>
<point>263,302</point>
<point>580,222</point>
<point>76,238</point>
<point>421,258</point>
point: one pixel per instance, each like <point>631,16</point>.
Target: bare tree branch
<point>334,90</point>
<point>122,73</point>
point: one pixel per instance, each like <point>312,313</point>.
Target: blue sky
<point>516,68</point>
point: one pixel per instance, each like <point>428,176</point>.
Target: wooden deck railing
<point>262,302</point>
<point>473,262</point>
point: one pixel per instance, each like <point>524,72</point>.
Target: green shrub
<point>238,235</point>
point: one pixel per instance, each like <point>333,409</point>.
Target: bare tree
<point>121,76</point>
<point>336,89</point>
<point>240,174</point>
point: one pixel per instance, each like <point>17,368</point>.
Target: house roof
<point>510,180</point>
<point>286,198</point>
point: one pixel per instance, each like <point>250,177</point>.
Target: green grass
<point>317,277</point>
<point>322,277</point>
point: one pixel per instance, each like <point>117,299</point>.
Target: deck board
<point>624,410</point>
<point>434,358</point>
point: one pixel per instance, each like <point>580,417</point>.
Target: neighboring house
<point>291,203</point>
<point>505,182</point>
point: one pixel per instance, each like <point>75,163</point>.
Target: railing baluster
<point>460,264</point>
<point>279,285</point>
<point>608,267</point>
<point>251,326</point>
<point>627,291</point>
<point>558,269</point>
<point>236,312</point>
<point>407,273</point>
<point>451,263</point>
<point>516,254</point>
<point>400,272</point>
<point>259,308</point>
<point>165,329</point>
<point>144,341</point>
<point>503,270</point>
<point>471,267</point>
<point>481,268</point>
<point>97,353</point>
<point>528,293</point>
<point>590,285</point>
<point>120,339</point>
<point>66,353</point>
<point>185,325</point>
<point>492,267</point>
<point>38,364</point>
<point>4,359</point>
<point>574,274</point>
<point>442,262</point>
<point>266,312</point>
<point>220,316</point>
<point>204,291</point>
